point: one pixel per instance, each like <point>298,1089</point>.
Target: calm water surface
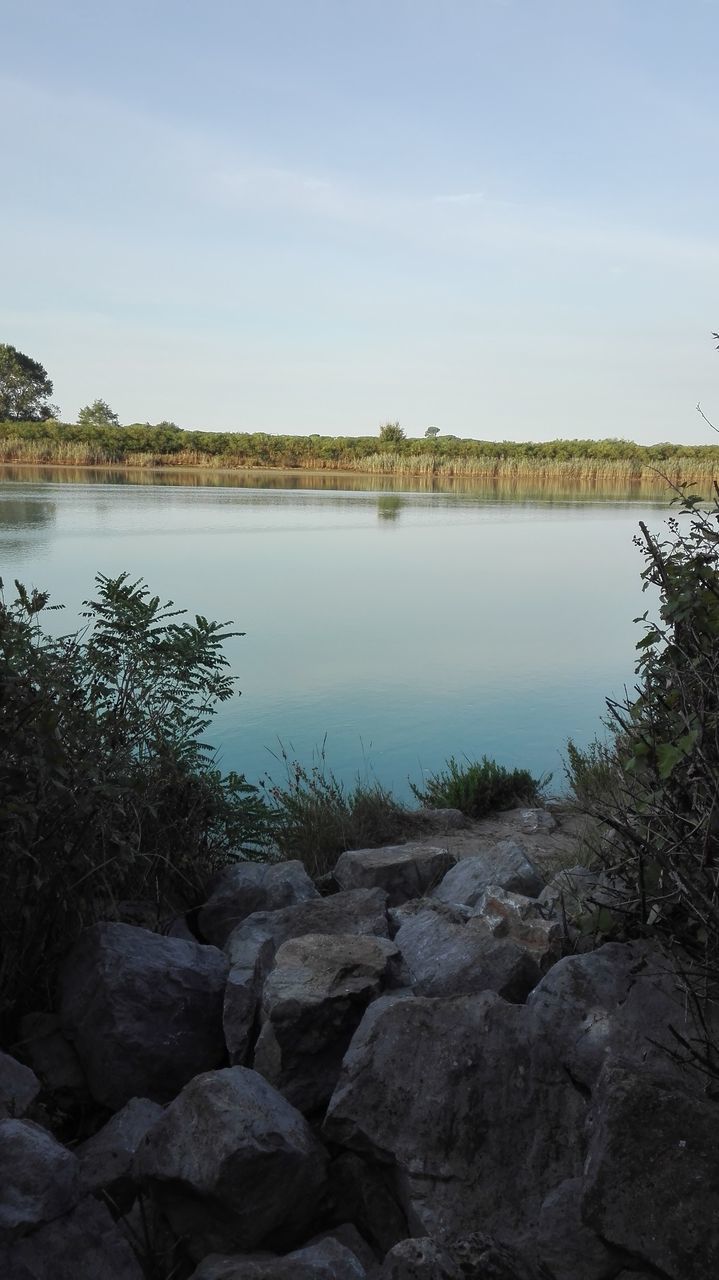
<point>404,626</point>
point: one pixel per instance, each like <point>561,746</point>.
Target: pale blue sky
<point>494,216</point>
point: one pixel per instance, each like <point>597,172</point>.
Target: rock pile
<point>412,1078</point>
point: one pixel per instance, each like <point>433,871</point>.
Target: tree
<point>431,433</point>
<point>97,414</point>
<point>24,388</point>
<point>391,433</point>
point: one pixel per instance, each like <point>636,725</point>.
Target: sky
<point>497,217</point>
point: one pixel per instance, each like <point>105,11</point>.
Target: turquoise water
<point>403,627</point>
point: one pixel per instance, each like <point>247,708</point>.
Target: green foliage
<point>24,387</point>
<point>98,414</point>
<point>658,792</point>
<point>391,433</point>
<point>315,818</point>
<point>478,787</point>
<point>107,791</point>
<point>431,433</point>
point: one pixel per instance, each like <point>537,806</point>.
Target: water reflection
<point>389,508</point>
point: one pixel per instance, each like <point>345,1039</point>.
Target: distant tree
<point>432,433</point>
<point>24,388</point>
<point>391,433</point>
<point>97,414</point>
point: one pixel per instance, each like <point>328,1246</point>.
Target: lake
<point>402,626</point>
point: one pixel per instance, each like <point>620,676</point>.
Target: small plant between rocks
<point>479,786</point>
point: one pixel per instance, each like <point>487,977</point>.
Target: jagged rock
<point>422,1259</point>
<point>365,1192</point>
<point>442,819</point>
<point>361,911</point>
<point>504,864</point>
<point>231,1162</point>
<point>19,1087</point>
<point>53,1059</point>
<point>444,958</point>
<point>533,821</point>
<point>243,992</point>
<point>84,1245</point>
<point>247,887</point>
<point>106,1159</point>
<point>144,1011</point>
<point>571,886</point>
<point>523,920</point>
<point>328,1260</point>
<point>346,1234</point>
<point>312,1003</point>
<point>566,1246</point>
<point>404,871</point>
<point>614,1004</point>
<point>651,1176</point>
<point>39,1179</point>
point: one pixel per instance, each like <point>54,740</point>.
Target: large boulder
<point>475,1256</point>
<point>312,1003</point>
<point>39,1179</point>
<point>404,871</point>
<point>523,920</point>
<point>144,1011</point>
<point>327,1260</point>
<point>19,1087</point>
<point>232,1163</point>
<point>239,891</point>
<point>481,1112</point>
<point>446,957</point>
<point>362,911</point>
<point>504,864</point>
<point>106,1159</point>
<point>364,1191</point>
<point>652,1174</point>
<point>84,1245</point>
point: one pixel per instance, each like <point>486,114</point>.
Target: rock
<point>442,819</point>
<point>361,911</point>
<point>444,958</point>
<point>144,1011</point>
<point>523,920</point>
<point>614,1004</point>
<point>231,1163</point>
<point>251,947</point>
<point>106,1159</point>
<point>566,1246</point>
<point>365,1192</point>
<point>571,887</point>
<point>53,1059</point>
<point>651,1184</point>
<point>248,887</point>
<point>504,864</point>
<point>19,1087</point>
<point>327,1260</point>
<point>346,1234</point>
<point>534,821</point>
<point>454,1094</point>
<point>312,1003</point>
<point>39,1179</point>
<point>404,871</point>
<point>422,1259</point>
<point>84,1245</point>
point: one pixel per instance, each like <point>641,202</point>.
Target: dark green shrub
<point>107,791</point>
<point>478,787</point>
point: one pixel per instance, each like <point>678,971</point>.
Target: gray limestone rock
<point>312,1003</point>
<point>253,956</point>
<point>361,911</point>
<point>418,1259</point>
<point>53,1059</point>
<point>84,1245</point>
<point>504,864</point>
<point>231,1163</point>
<point>442,957</point>
<point>144,1011</point>
<point>524,921</point>
<point>652,1174</point>
<point>565,1245</point>
<point>106,1159</point>
<point>39,1179</point>
<point>404,871</point>
<point>326,1260</point>
<point>239,891</point>
<point>19,1087</point>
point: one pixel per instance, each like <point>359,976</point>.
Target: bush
<point>478,787</point>
<point>107,791</point>
<point>658,790</point>
<point>314,818</point>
